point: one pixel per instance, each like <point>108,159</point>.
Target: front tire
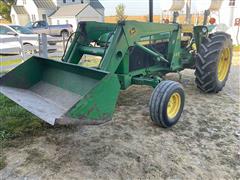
<point>166,103</point>
<point>213,62</point>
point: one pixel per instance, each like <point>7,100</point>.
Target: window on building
<point>73,0</point>
<point>64,1</point>
<point>58,22</point>
<point>33,18</point>
<point>44,17</point>
<point>24,2</point>
<point>67,21</point>
<point>231,2</point>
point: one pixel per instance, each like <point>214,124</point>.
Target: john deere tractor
<point>139,53</point>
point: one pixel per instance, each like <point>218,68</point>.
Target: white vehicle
<point>22,34</point>
<point>9,45</point>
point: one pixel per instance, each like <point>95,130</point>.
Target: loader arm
<point>125,34</point>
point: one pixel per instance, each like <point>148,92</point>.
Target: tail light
<point>212,20</point>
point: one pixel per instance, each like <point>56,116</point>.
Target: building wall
<point>14,16</point>
<point>90,14</point>
<point>60,2</point>
<point>102,12</point>
<point>47,12</point>
<point>19,3</point>
<point>226,17</point>
<point>20,19</point>
<point>23,20</point>
<point>35,13</point>
<point>65,20</point>
<point>31,8</point>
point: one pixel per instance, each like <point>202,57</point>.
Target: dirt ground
<point>205,144</point>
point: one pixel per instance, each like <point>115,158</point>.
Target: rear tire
<point>65,34</point>
<point>28,49</point>
<point>166,103</point>
<point>213,62</point>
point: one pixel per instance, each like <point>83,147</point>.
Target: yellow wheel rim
<point>224,64</point>
<point>173,105</point>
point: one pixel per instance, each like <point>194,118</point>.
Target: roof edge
<point>86,4</point>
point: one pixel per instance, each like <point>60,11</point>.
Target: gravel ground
<point>205,144</point>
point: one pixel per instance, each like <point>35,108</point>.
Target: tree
<point>5,8</point>
<point>120,12</point>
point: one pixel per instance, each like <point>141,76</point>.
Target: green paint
<point>99,88</point>
<point>99,103</point>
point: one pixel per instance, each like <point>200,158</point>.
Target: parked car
<point>54,30</point>
<point>25,35</point>
<point>9,45</point>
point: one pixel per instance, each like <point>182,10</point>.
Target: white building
<point>72,14</point>
<point>57,11</point>
<point>229,11</point>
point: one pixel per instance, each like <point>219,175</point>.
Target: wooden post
<point>64,43</point>
<point>21,50</point>
<point>39,44</point>
<point>43,50</point>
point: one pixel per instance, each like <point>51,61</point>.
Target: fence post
<point>64,43</point>
<point>39,44</point>
<point>43,47</point>
<point>21,50</point>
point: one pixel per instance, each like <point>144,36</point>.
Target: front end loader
<point>131,52</point>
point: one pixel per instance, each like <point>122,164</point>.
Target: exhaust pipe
<point>150,10</point>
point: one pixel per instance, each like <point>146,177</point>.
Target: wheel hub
<point>224,64</point>
<point>173,105</point>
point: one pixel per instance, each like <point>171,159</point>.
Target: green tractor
<point>131,52</point>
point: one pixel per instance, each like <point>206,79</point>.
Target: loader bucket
<point>62,93</point>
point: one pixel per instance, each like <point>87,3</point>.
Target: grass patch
<point>11,62</point>
<point>15,121</point>
<point>90,61</point>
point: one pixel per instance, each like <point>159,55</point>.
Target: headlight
<point>204,30</point>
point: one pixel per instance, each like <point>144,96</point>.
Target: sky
<point>140,7</point>
<point>133,7</point>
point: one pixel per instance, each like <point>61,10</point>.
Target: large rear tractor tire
<point>166,103</point>
<point>213,62</point>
